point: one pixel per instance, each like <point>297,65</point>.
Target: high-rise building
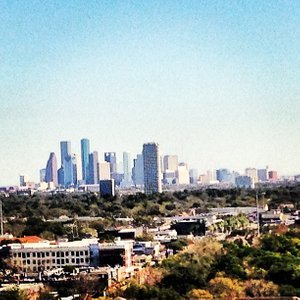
<point>127,170</point>
<point>107,187</point>
<point>252,173</point>
<point>66,163</point>
<point>182,174</point>
<point>138,170</point>
<point>42,175</point>
<point>152,172</point>
<point>112,159</point>
<point>224,175</point>
<point>262,175</point>
<point>104,170</point>
<point>51,169</point>
<point>194,176</point>
<point>93,168</point>
<point>23,179</point>
<point>85,151</point>
<point>211,176</point>
<point>74,169</point>
<point>243,181</point>
<point>273,176</point>
<point>170,162</point>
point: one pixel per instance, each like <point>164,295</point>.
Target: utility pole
<point>1,218</point>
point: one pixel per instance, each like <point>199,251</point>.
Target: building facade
<point>85,151</point>
<point>51,169</point>
<point>152,172</point>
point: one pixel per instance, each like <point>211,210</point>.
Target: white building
<point>32,257</point>
<point>104,170</point>
<point>182,174</point>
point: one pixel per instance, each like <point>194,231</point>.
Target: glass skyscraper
<point>152,172</point>
<point>85,151</point>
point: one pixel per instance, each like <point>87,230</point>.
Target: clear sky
<point>216,82</point>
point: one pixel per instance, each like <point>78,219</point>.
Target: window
<point>38,254</point>
<point>53,261</point>
<point>58,261</point>
<point>73,260</point>
<point>62,261</point>
<point>81,253</point>
<point>86,253</point>
<point>72,253</point>
<point>23,255</point>
<point>33,254</point>
<point>34,261</point>
<point>47,253</point>
<point>77,261</point>
<point>57,254</point>
<point>67,253</point>
<point>67,260</point>
<point>28,261</point>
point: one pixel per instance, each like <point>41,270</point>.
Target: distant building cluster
<point>148,172</point>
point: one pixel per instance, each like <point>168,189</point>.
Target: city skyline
<point>215,82</point>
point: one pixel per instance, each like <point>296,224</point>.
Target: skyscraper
<point>66,163</point>
<point>152,172</point>
<point>93,168</point>
<point>85,151</point>
<point>127,169</point>
<point>112,159</point>
<point>51,169</point>
<point>170,162</point>
<point>138,170</point>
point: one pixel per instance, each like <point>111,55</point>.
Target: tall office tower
<point>23,179</point>
<point>252,173</point>
<point>51,169</point>
<point>93,168</point>
<point>138,170</point>
<point>224,175</point>
<point>74,169</point>
<point>152,172</point>
<point>182,174</point>
<point>211,176</point>
<point>243,181</point>
<point>262,175</point>
<point>194,176</point>
<point>104,170</point>
<point>170,162</point>
<point>273,176</point>
<point>85,151</point>
<point>127,168</point>
<point>66,163</point>
<point>42,175</point>
<point>112,159</point>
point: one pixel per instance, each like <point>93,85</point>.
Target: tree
<point>198,294</point>
<point>226,288</point>
<point>261,288</point>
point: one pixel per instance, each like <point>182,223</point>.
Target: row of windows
<point>47,254</point>
<point>54,261</point>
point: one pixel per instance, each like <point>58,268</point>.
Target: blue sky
<point>216,82</point>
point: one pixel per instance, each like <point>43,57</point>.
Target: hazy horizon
<point>216,82</point>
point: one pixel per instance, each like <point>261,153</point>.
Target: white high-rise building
<point>182,174</point>
<point>252,173</point>
<point>104,170</point>
<point>127,170</point>
<point>152,172</point>
<point>170,162</point>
